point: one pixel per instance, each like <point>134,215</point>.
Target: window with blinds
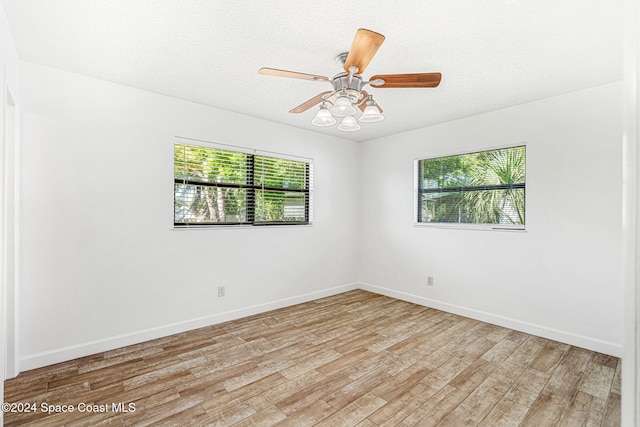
<point>214,186</point>
<point>485,188</point>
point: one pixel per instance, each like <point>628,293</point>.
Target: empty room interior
<point>319,213</point>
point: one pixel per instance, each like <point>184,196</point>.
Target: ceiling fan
<point>348,94</point>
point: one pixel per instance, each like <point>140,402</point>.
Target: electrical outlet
<point>220,291</point>
<point>429,280</point>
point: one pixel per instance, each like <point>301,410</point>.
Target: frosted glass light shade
<point>349,124</point>
<point>323,118</point>
<point>371,114</point>
<point>343,107</point>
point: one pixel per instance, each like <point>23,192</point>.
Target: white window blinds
<point>486,187</point>
<point>214,186</point>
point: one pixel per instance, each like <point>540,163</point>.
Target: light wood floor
<point>355,359</point>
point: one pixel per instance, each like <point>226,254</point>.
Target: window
<point>215,186</point>
<point>486,189</point>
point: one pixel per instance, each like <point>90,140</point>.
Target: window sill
<point>237,226</point>
<point>481,227</point>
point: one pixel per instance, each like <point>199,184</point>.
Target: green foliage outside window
<point>215,186</point>
<point>486,187</point>
<point>273,177</point>
<point>195,199</point>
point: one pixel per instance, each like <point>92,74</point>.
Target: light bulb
<point>323,117</point>
<point>349,124</point>
<point>343,106</point>
<point>371,114</point>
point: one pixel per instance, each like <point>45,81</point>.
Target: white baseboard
<point>51,357</point>
<point>85,349</point>
<point>589,343</point>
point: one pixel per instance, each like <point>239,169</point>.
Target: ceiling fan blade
<point>292,74</point>
<point>363,104</point>
<point>365,45</point>
<point>409,80</point>
<point>310,103</point>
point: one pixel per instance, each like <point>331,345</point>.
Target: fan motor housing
<point>352,84</point>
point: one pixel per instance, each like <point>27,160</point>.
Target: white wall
<point>562,278</point>
<point>630,402</point>
<point>101,265</point>
<point>9,94</point>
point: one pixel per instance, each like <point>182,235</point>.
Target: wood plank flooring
<point>354,359</point>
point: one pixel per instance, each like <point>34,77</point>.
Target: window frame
<point>461,225</point>
<point>249,186</point>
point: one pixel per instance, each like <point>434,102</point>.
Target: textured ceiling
<point>492,53</point>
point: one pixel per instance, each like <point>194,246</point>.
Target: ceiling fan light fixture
<point>349,124</point>
<point>323,117</point>
<point>347,97</point>
<point>371,114</point>
<point>343,106</point>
